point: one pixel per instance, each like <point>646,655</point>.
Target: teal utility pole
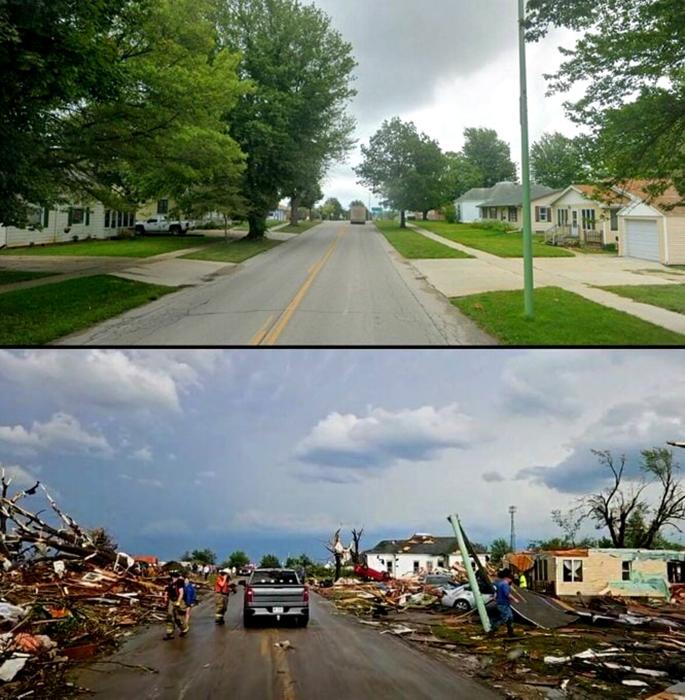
<point>528,283</point>
<point>475,589</point>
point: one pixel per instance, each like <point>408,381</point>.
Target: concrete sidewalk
<point>581,275</point>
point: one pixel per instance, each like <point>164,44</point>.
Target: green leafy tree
<point>557,161</point>
<point>461,175</point>
<point>490,155</point>
<point>498,549</point>
<point>236,560</point>
<point>294,121</point>
<point>332,209</point>
<point>630,57</point>
<point>134,109</point>
<point>356,203</point>
<point>404,167</point>
<point>301,562</point>
<point>270,561</point>
<point>203,556</point>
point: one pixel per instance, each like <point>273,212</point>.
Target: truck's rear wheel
<point>176,230</point>
<point>303,621</point>
<point>248,621</point>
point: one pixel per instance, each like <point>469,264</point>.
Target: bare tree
<point>622,504</point>
<point>335,547</point>
<point>356,539</point>
<point>670,510</point>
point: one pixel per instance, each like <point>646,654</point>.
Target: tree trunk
<point>257,225</point>
<point>294,210</point>
<point>338,566</point>
<point>403,219</point>
<point>425,216</point>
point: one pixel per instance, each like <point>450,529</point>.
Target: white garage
<point>642,239</point>
<point>652,228</point>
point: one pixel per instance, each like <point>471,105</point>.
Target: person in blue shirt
<point>503,599</point>
<point>190,599</point>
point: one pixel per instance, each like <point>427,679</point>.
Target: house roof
<point>509,194</point>
<point>417,544</point>
<point>603,194</point>
<point>477,194</point>
<point>668,203</point>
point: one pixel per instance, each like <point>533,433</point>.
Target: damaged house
<point>628,573</point>
<point>419,554</point>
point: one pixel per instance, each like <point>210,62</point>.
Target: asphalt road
<point>336,284</point>
<point>335,657</point>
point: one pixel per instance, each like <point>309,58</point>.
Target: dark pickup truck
<point>275,594</point>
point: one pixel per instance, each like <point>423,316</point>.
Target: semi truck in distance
<point>358,215</point>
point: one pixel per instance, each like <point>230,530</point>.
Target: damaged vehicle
<point>461,598</point>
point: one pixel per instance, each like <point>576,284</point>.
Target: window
<point>626,570</point>
<point>88,217</point>
<point>543,214</point>
<point>614,219</point>
<point>388,566</point>
<point>588,216</point>
<point>107,213</point>
<point>417,566</point>
<point>676,571</point>
<point>572,570</point>
<point>441,563</point>
<point>562,217</point>
<point>163,206</point>
<point>76,215</point>
<point>46,216</point>
<point>429,566</point>
<point>513,214</point>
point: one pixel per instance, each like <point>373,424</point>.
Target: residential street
<point>337,284</point>
<point>335,657</point>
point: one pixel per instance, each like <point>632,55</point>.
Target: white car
<point>461,598</point>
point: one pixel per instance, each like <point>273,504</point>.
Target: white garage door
<point>642,240</point>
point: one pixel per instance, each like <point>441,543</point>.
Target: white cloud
<point>257,520</point>
<point>382,438</point>
<point>62,433</point>
<point>111,378</point>
<point>144,454</point>
<point>18,477</point>
<point>166,526</point>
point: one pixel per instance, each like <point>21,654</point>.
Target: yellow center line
<point>272,336</point>
<point>259,335</point>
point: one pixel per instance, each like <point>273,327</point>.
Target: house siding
<point>58,229</point>
<point>546,202</point>
<point>576,201</point>
<point>403,564</point>
<point>676,240</point>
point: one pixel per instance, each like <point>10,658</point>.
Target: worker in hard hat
<point>222,589</point>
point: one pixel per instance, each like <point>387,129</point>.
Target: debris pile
<point>65,594</point>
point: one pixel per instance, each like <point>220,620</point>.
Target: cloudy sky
<point>446,65</point>
<point>273,450</point>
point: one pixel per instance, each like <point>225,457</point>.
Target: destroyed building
<point>421,553</point>
<point>628,573</point>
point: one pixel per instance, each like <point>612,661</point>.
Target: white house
<point>652,228</point>
<point>419,554</point>
<point>66,223</point>
<point>467,204</point>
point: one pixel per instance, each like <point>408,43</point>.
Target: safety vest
<point>221,585</point>
<point>523,582</point>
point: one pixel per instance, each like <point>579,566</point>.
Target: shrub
<point>450,213</point>
<point>611,247</point>
<point>501,226</point>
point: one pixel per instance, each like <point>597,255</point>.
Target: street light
<point>528,283</point>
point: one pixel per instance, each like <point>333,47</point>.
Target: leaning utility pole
<point>475,588</point>
<point>528,282</point>
<point>512,533</point>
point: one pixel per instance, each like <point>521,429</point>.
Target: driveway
<point>580,274</point>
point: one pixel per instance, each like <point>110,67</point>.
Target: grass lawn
<point>233,251</point>
<point>138,247</point>
<point>413,245</point>
<point>505,245</point>
<point>668,296</point>
<point>301,227</point>
<point>561,318</point>
<point>41,314</point>
<point>12,276</point>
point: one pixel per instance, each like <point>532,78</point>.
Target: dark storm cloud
<point>406,47</point>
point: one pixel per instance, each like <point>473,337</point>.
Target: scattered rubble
<point>604,647</point>
<point>65,595</point>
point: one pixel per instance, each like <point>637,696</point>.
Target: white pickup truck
<point>162,224</point>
